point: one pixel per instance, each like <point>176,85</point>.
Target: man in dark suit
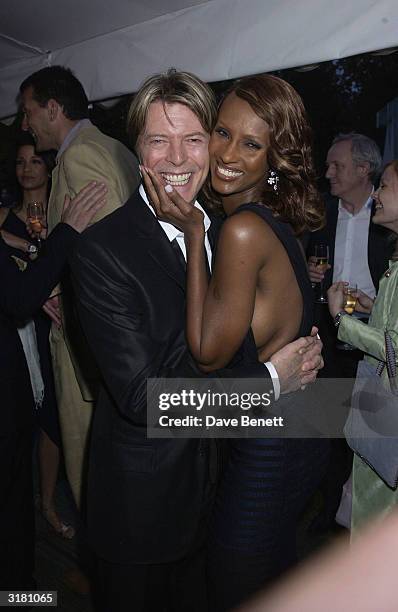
<point>149,499</point>
<point>358,250</point>
<point>358,253</point>
<point>22,293</point>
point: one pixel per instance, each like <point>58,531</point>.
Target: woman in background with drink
<point>33,172</point>
<point>371,496</point>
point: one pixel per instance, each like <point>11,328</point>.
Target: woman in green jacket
<point>370,495</point>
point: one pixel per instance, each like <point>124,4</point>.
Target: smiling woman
<point>371,495</point>
<point>386,209</point>
<point>238,152</point>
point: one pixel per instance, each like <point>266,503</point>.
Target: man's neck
<point>355,201</point>
<point>64,130</point>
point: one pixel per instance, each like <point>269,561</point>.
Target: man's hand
<point>51,308</point>
<point>298,363</point>
<point>315,272</point>
<point>84,206</point>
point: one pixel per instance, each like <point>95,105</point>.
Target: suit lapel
<point>332,213</point>
<point>51,222</point>
<point>156,243</point>
<point>154,240</point>
<point>162,252</point>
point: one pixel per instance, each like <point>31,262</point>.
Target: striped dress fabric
<point>266,482</point>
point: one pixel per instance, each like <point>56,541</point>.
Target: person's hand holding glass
<point>350,298</point>
<point>36,220</point>
<point>318,264</point>
<point>343,296</point>
<point>347,296</point>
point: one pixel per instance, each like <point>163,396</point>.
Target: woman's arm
<point>23,293</point>
<point>225,311</point>
<point>4,212</point>
<point>219,315</point>
<point>15,241</point>
<point>367,337</point>
<point>364,337</point>
<point>197,287</point>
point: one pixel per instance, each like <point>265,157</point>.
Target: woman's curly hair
<point>297,200</point>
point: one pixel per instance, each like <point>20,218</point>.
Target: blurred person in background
<point>23,290</point>
<point>33,172</point>
<point>360,578</point>
<point>358,253</point>
<point>55,108</point>
<point>370,494</point>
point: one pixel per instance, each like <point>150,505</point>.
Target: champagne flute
<point>322,259</point>
<point>36,219</point>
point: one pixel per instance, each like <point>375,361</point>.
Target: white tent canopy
<point>113,45</point>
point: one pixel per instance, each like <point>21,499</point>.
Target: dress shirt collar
<point>169,229</point>
<point>363,211</point>
<point>72,134</point>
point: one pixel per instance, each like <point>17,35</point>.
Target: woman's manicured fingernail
<point>168,188</point>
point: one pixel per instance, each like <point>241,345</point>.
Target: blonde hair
<point>172,87</point>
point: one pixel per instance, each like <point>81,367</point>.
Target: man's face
<point>343,174</point>
<point>175,146</point>
<point>37,121</point>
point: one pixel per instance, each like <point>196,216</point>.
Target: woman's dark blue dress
<point>266,482</point>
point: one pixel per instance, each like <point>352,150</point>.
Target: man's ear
<point>53,109</point>
<point>363,168</point>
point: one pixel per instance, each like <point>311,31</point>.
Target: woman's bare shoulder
<point>248,229</point>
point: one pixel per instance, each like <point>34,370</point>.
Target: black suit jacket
<point>21,294</point>
<point>145,496</point>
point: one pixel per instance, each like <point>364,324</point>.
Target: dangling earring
<point>273,179</point>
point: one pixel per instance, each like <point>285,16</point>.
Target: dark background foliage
<point>340,96</point>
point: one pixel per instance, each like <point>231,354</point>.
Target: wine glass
<point>322,259</point>
<point>350,298</point>
<point>36,219</point>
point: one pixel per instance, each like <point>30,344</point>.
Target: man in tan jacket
<point>55,110</point>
